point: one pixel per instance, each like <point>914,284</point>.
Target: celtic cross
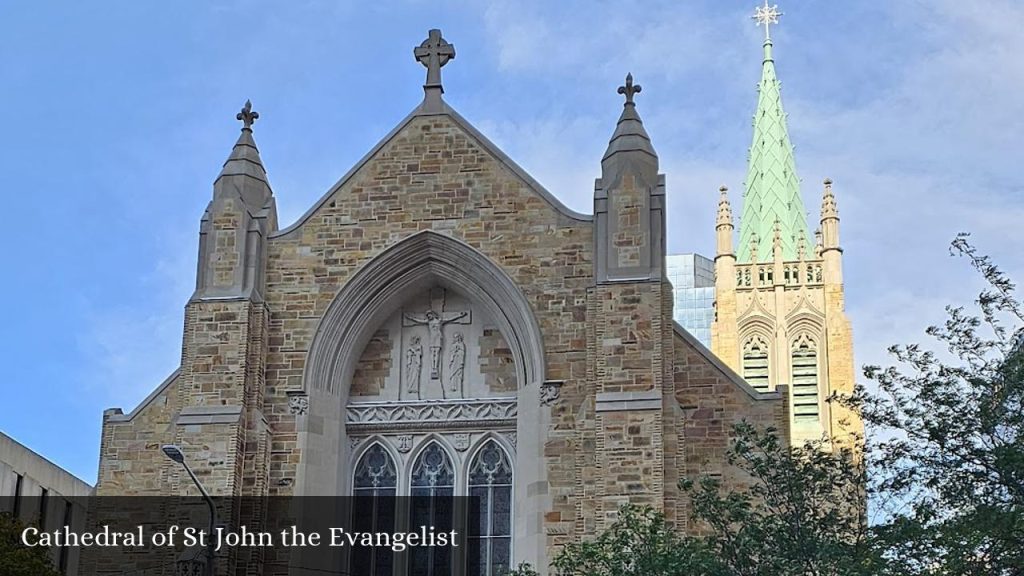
<point>629,89</point>
<point>434,53</point>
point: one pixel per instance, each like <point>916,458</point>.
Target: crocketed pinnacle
<point>772,187</point>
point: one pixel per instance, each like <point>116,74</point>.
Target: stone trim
<point>191,415</point>
<point>621,401</point>
<point>114,415</point>
<point>404,268</point>
<point>432,414</point>
<point>444,110</point>
<point>779,392</point>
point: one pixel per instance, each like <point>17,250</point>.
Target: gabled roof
<point>438,107</point>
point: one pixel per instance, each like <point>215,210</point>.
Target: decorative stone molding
<point>461,441</point>
<point>403,443</point>
<point>511,437</point>
<point>550,391</point>
<point>298,403</point>
<point>621,401</point>
<point>432,414</point>
<point>198,415</point>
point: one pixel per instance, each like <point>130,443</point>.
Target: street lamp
<point>174,453</point>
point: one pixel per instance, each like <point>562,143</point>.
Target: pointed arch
<point>375,466</point>
<point>756,352</point>
<point>806,371</point>
<point>409,266</point>
<point>489,485</point>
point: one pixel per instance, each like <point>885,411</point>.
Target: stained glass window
<point>432,487</point>
<point>373,506</point>
<point>489,548</point>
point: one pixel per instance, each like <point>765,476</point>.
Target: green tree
<point>802,513</point>
<point>948,476</point>
<point>17,559</point>
<point>639,543</point>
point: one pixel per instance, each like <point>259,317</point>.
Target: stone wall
<point>374,366</point>
<point>496,362</point>
<point>710,401</point>
<point>436,174</point>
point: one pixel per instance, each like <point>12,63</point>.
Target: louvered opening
<point>805,383</point>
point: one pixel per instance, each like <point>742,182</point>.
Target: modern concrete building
<point>693,293</point>
<point>39,492</point>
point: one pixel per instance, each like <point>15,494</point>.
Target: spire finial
<point>828,201</point>
<point>247,116</point>
<point>766,16</point>
<point>724,207</point>
<point>434,52</point>
<point>629,89</point>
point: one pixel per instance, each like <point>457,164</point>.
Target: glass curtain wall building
<point>693,288</point>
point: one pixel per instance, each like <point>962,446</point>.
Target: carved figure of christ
<point>434,321</point>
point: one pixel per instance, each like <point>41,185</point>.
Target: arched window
<point>490,525</point>
<point>755,363</point>
<point>805,380</point>
<point>373,509</point>
<point>432,487</point>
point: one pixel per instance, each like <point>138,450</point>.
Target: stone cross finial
<point>247,116</point>
<point>434,53</point>
<point>629,89</point>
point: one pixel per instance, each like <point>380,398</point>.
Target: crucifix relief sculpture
<point>435,318</point>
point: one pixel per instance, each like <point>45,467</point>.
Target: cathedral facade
<point>438,320</point>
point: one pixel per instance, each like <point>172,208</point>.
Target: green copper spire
<point>772,187</point>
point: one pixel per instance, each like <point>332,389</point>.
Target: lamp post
<point>174,453</point>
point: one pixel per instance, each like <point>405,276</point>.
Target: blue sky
<point>116,116</point>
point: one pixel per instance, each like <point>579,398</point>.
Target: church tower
<point>779,310</point>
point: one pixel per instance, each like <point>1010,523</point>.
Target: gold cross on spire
<point>766,16</point>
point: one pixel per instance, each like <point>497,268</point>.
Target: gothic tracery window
<point>373,507</point>
<point>805,380</point>
<point>432,488</point>
<point>490,527</point>
<point>755,363</point>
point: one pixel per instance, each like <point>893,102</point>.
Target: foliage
<point>17,559</point>
<point>945,475</point>
<point>949,473</point>
<point>639,543</point>
<point>803,512</point>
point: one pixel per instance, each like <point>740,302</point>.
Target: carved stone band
<point>432,414</point>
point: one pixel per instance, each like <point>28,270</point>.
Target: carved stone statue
<point>456,364</point>
<point>434,321</point>
<point>413,365</point>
